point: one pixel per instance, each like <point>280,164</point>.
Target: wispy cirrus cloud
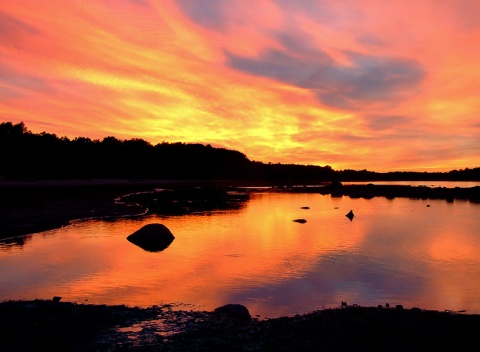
<point>353,84</point>
<point>365,79</point>
<point>12,28</point>
<point>382,122</point>
<point>16,84</point>
<point>207,13</point>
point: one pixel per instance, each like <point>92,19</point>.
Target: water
<point>399,251</point>
<point>432,184</point>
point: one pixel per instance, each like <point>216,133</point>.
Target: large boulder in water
<point>152,237</point>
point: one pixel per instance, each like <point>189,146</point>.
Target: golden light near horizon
<point>359,85</point>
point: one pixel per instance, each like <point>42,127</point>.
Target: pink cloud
<point>282,81</point>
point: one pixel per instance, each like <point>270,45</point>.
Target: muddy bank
<point>182,201</point>
<point>48,325</point>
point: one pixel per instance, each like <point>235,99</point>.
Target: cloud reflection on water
<point>396,251</point>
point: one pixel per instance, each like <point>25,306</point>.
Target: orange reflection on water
<point>398,251</point>
<point>213,256</point>
<point>446,247</point>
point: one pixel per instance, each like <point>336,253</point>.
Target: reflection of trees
<point>7,244</point>
<point>44,155</point>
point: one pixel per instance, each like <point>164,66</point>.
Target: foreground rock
<point>152,237</point>
<point>57,326</point>
<point>236,311</point>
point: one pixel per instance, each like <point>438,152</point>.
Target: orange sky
<point>360,84</point>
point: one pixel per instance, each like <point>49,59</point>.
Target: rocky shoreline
<point>396,191</point>
<point>371,190</point>
<point>62,326</point>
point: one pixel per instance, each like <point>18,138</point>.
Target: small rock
<point>236,311</point>
<point>336,184</point>
<point>301,221</point>
<point>56,299</point>
<point>350,215</point>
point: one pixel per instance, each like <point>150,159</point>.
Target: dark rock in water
<point>350,215</point>
<point>336,184</point>
<point>305,208</point>
<point>152,237</point>
<point>236,311</point>
<point>56,299</point>
<point>301,221</point>
<point>336,189</point>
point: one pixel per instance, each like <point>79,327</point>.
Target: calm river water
<point>418,253</point>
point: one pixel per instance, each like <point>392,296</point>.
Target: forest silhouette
<point>27,155</point>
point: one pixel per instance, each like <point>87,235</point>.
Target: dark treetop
<point>47,156</point>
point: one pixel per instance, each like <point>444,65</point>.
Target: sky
<point>354,84</point>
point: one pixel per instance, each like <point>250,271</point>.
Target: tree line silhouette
<point>46,156</point>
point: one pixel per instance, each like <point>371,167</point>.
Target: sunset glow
<point>367,84</point>
<point>396,250</point>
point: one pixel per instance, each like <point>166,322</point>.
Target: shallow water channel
<point>418,253</point>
